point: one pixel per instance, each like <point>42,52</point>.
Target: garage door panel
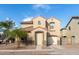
<point>52,40</point>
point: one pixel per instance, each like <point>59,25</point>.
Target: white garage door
<point>52,40</point>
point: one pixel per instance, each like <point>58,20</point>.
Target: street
<point>52,51</point>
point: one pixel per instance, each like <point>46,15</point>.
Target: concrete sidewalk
<point>26,50</point>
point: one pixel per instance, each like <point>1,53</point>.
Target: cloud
<point>27,19</point>
<point>42,6</point>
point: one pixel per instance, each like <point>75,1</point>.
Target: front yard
<point>13,46</point>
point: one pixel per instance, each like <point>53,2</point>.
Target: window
<point>69,28</point>
<point>52,24</point>
<point>39,22</point>
<point>64,36</point>
<point>78,22</point>
<point>73,36</point>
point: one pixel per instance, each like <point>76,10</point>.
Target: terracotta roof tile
<point>27,22</point>
<point>28,28</point>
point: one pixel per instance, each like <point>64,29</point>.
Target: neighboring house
<point>43,31</point>
<point>70,34</point>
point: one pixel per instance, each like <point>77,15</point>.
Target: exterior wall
<point>56,29</point>
<point>65,36</point>
<point>41,19</point>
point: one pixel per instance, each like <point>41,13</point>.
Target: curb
<point>26,50</point>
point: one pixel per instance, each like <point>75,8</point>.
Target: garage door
<point>52,40</point>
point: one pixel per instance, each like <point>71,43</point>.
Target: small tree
<point>9,31</point>
<point>6,26</point>
<point>17,34</point>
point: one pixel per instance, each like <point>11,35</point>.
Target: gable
<point>39,18</point>
<point>39,21</point>
<point>53,19</point>
<point>39,29</point>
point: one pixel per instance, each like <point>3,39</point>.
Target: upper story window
<point>78,22</point>
<point>39,22</point>
<point>73,36</point>
<point>69,28</point>
<point>64,36</point>
<point>52,24</point>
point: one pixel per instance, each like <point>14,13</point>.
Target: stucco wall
<point>41,19</point>
<point>57,27</point>
<point>74,29</point>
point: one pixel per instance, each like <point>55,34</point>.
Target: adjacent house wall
<point>74,28</point>
<point>70,33</point>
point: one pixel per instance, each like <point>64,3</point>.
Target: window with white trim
<point>52,24</point>
<point>39,22</point>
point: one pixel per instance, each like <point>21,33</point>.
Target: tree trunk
<point>18,42</point>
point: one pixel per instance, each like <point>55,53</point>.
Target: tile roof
<point>31,28</point>
<point>27,22</point>
<point>28,28</point>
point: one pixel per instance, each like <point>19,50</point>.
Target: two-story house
<point>43,31</point>
<point>70,34</point>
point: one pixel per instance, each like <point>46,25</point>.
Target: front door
<point>39,39</point>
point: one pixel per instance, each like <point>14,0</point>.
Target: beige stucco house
<point>42,31</point>
<point>70,34</point>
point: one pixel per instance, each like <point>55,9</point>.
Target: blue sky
<point>25,12</point>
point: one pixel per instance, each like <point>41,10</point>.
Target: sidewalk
<point>26,50</point>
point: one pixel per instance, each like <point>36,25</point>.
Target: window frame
<point>69,27</point>
<point>52,25</point>
<point>39,22</point>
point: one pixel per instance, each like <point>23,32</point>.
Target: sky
<point>25,12</point>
